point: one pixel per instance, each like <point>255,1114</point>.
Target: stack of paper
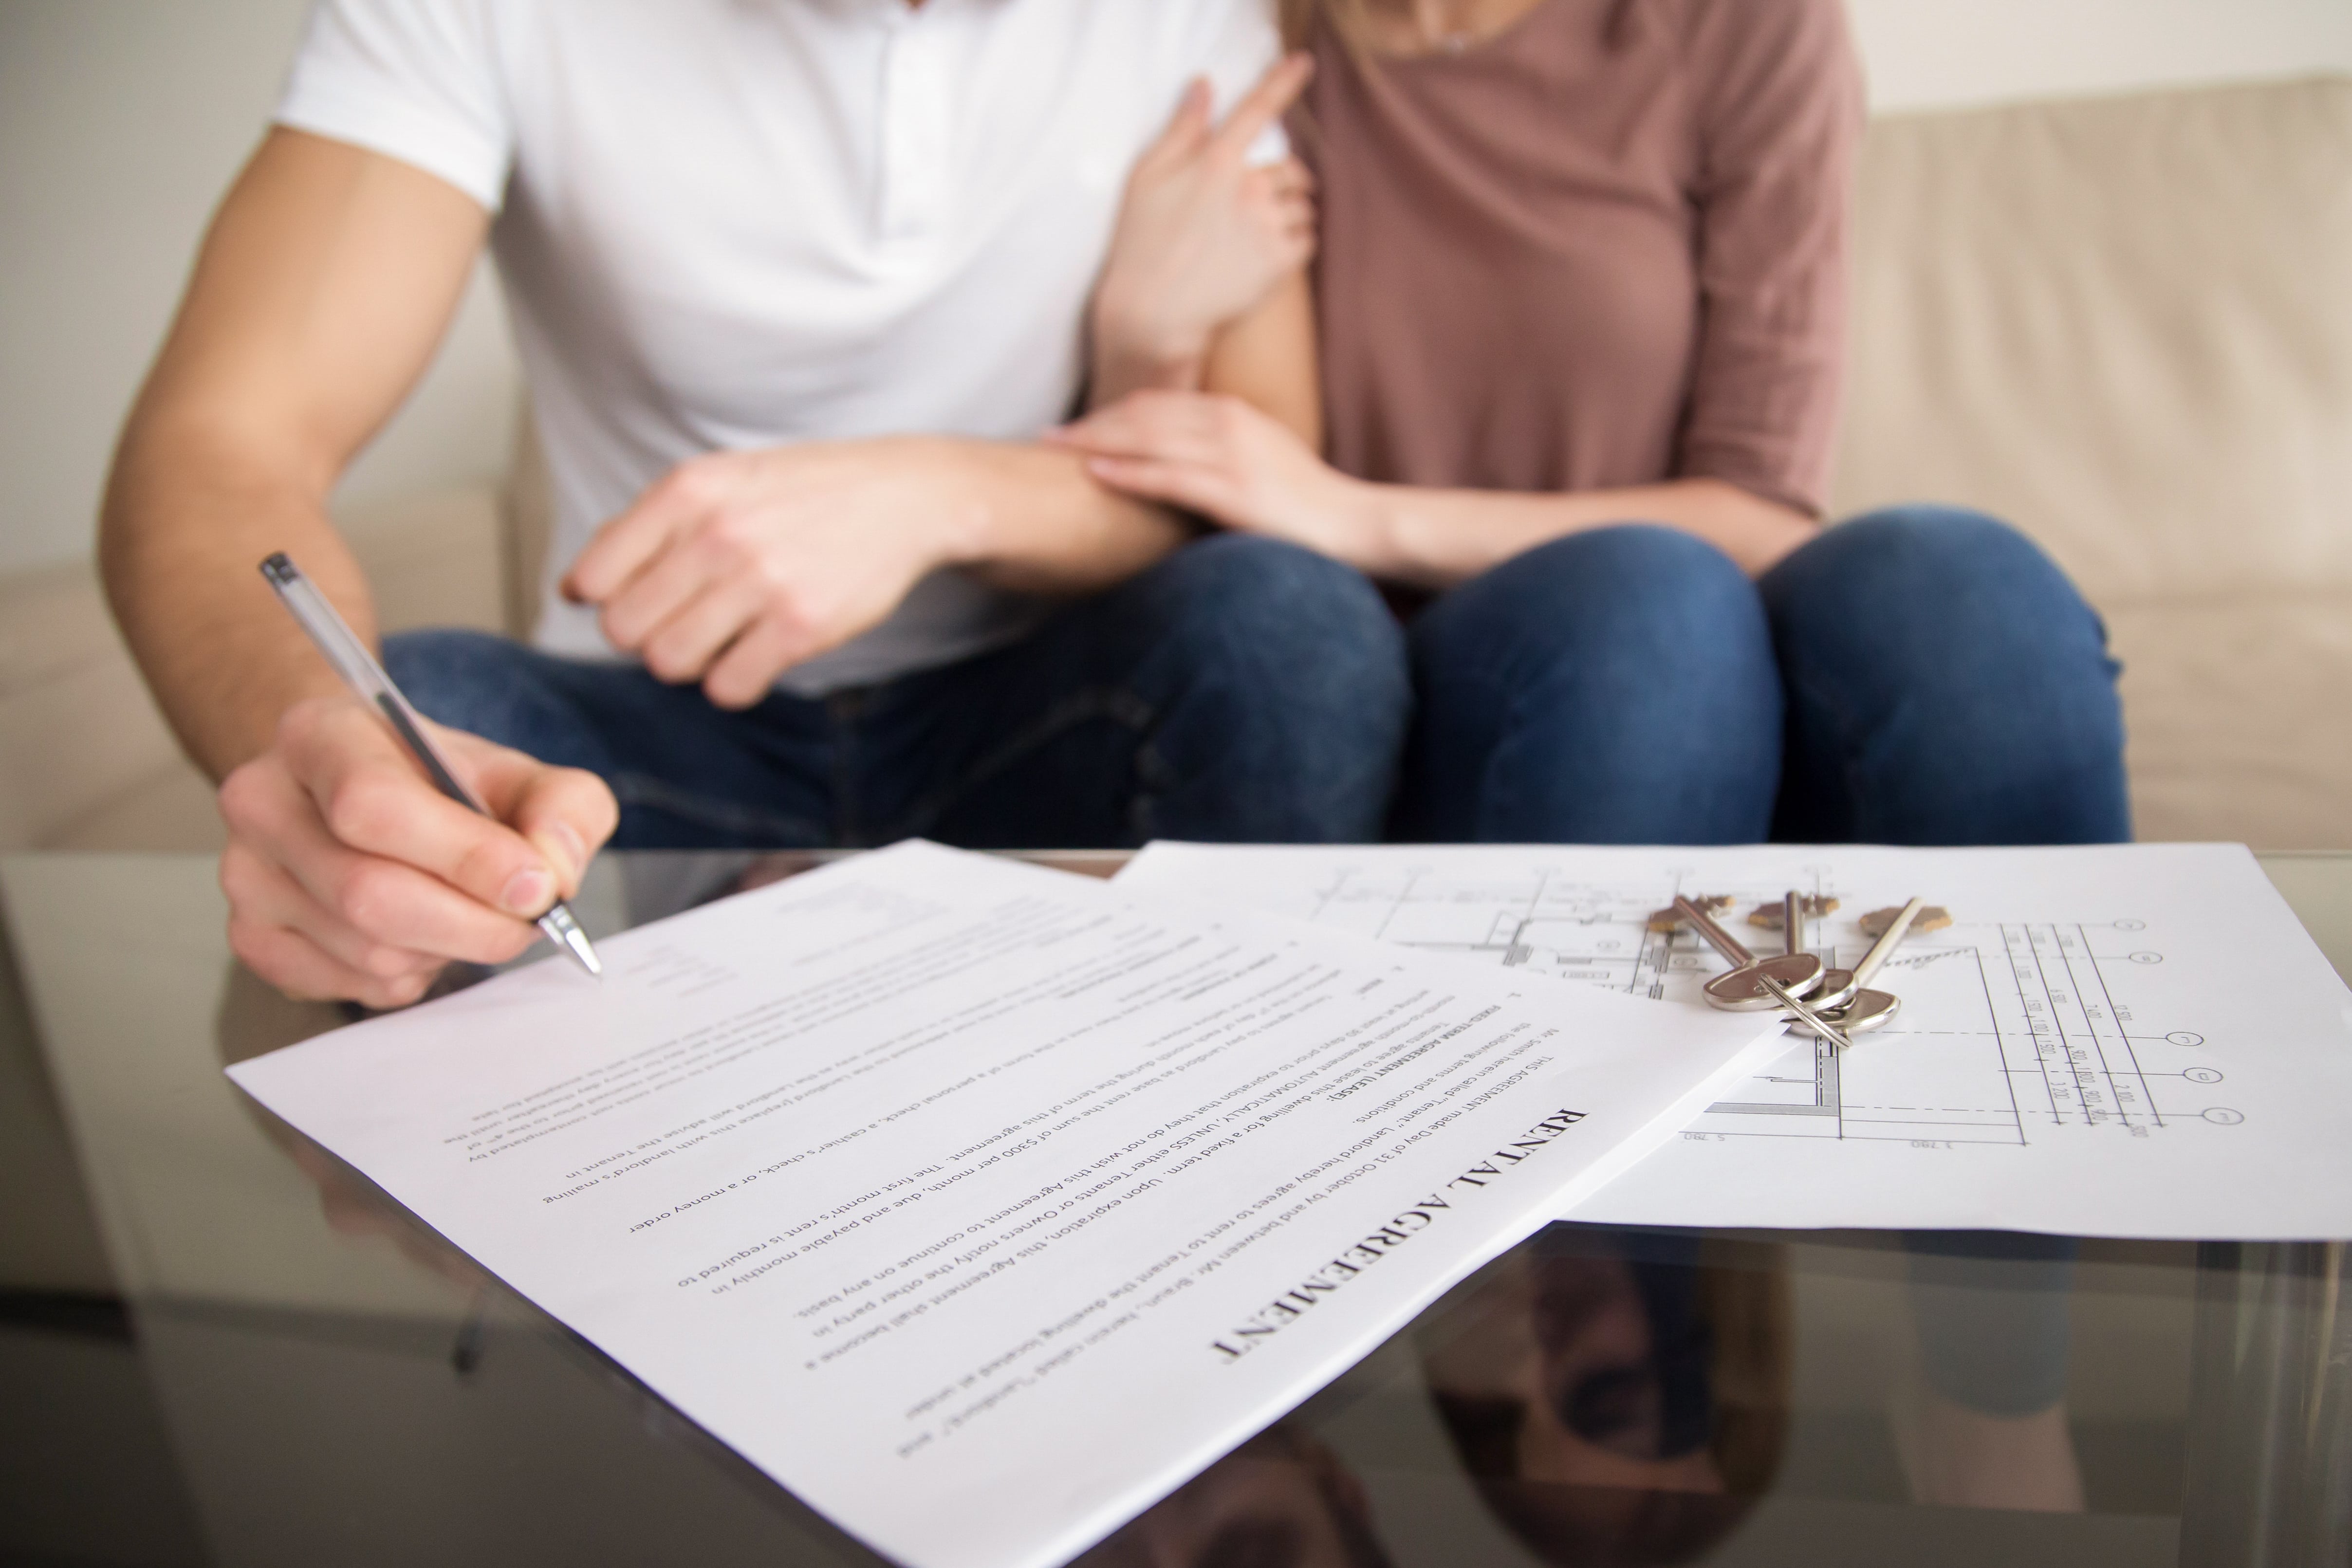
<point>929,1182</point>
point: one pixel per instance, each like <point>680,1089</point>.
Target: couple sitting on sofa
<point>806,292</point>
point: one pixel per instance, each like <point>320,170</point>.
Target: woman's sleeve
<point>1776,97</point>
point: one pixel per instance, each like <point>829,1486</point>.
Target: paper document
<point>2132,1041</point>
<point>983,1205</point>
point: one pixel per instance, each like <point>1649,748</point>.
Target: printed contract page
<point>981,1205</point>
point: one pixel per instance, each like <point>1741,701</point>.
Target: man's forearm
<point>188,517</point>
<point>1039,524</point>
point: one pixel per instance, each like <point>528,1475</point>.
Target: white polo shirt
<point>729,224</point>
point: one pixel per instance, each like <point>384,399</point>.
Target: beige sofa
<point>2124,324</point>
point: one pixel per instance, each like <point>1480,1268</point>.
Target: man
<point>796,284</point>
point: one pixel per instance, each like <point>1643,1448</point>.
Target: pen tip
<point>565,931</point>
<point>577,940</point>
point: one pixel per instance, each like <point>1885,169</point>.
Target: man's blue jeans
<point>1241,690</point>
<point>1917,677</point>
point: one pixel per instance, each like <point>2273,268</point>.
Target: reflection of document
<point>983,1204</point>
<point>2122,1039</point>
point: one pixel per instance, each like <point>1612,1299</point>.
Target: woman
<point>1582,288</point>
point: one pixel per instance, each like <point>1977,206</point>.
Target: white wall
<point>122,120</point>
<point>1933,54</point>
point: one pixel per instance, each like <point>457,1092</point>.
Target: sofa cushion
<point>2126,326</point>
<point>86,760</point>
<point>2237,710</point>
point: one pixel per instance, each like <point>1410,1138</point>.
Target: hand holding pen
<point>351,873</point>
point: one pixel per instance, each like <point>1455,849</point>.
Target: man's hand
<point>738,565</point>
<point>349,875</point>
<point>1203,239</point>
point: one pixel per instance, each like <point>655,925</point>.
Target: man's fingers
<point>748,669</point>
<point>374,839</point>
<point>1262,105</point>
<point>681,648</point>
<point>297,966</point>
<point>669,507</point>
<point>567,813</point>
<point>263,893</point>
<point>689,564</point>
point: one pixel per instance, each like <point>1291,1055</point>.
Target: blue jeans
<point>1240,690</point>
<point>1917,677</point>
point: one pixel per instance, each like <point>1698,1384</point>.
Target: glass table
<point>284,1371</point>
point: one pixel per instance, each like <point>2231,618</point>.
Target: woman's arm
<point>1219,456</point>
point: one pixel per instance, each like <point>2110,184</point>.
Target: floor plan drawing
<point>2010,1029</point>
<point>2082,1001</point>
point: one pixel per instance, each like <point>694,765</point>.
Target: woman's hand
<point>1202,238</point>
<point>1220,457</point>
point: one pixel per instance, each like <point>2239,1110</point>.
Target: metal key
<point>1805,1015</point>
<point>1838,986</point>
<point>1742,990</point>
<point>1871,1009</point>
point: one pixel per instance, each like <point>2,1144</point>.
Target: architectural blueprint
<point>2126,1039</point>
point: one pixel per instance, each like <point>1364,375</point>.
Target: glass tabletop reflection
<point>287,1369</point>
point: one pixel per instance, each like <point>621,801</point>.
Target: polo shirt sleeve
<point>412,79</point>
<point>1239,46</point>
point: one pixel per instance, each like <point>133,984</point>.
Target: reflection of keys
<point>1744,989</point>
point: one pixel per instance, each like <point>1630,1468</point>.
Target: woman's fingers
<point>1185,131</point>
<point>1187,484</point>
<point>1171,439</point>
<point>1262,105</point>
<point>1287,179</point>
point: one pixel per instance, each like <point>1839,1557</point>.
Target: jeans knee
<point>1631,596</point>
<point>1612,687</point>
<point>1947,564</point>
<point>1292,629</point>
<point>1936,593</point>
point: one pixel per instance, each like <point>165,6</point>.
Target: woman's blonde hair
<point>1344,18</point>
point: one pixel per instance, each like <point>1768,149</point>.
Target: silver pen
<point>366,678</point>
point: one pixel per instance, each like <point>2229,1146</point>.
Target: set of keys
<point>1835,1004</point>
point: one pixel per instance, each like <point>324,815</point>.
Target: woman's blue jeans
<point>1921,675</point>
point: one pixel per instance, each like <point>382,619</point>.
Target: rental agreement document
<point>983,1204</point>
<point>2119,1040</point>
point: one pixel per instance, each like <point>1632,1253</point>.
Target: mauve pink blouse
<point>1606,247</point>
